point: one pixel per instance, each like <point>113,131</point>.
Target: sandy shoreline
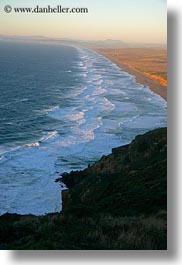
<point>154,85</point>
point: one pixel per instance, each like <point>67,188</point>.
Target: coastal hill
<point>119,202</point>
<point>129,181</point>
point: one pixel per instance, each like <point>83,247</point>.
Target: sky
<point>133,21</point>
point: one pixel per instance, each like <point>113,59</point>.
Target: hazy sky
<point>128,20</point>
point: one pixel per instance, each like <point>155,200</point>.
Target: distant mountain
<point>107,44</point>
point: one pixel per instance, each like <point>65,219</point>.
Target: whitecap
<point>33,144</point>
<point>49,137</point>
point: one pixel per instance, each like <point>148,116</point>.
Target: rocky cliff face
<point>131,180</point>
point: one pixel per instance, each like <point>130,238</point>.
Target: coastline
<point>155,86</point>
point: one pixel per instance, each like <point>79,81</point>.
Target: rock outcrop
<point>129,181</point>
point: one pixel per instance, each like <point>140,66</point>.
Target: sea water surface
<point>62,108</point>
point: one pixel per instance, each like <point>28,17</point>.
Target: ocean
<point>62,108</point>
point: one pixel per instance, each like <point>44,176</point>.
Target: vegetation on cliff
<point>117,203</point>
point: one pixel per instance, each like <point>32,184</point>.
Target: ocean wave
<point>55,113</point>
<point>23,100</point>
<point>36,144</point>
<point>49,137</point>
<point>99,90</point>
<point>46,111</point>
<point>52,109</point>
<point>77,116</point>
<point>108,105</point>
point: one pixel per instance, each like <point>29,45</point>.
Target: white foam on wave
<point>76,116</point>
<point>47,110</point>
<point>50,136</point>
<point>84,75</point>
<point>99,90</point>
<point>23,100</point>
<point>52,109</point>
<point>82,135</point>
<point>33,144</point>
<point>108,103</point>
<point>55,113</point>
<point>27,182</point>
<point>67,114</point>
<point>78,91</point>
<point>89,98</point>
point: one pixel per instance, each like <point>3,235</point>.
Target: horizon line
<point>80,40</point>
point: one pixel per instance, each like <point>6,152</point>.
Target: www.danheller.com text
<point>48,9</point>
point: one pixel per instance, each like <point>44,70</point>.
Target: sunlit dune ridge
<point>158,78</point>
